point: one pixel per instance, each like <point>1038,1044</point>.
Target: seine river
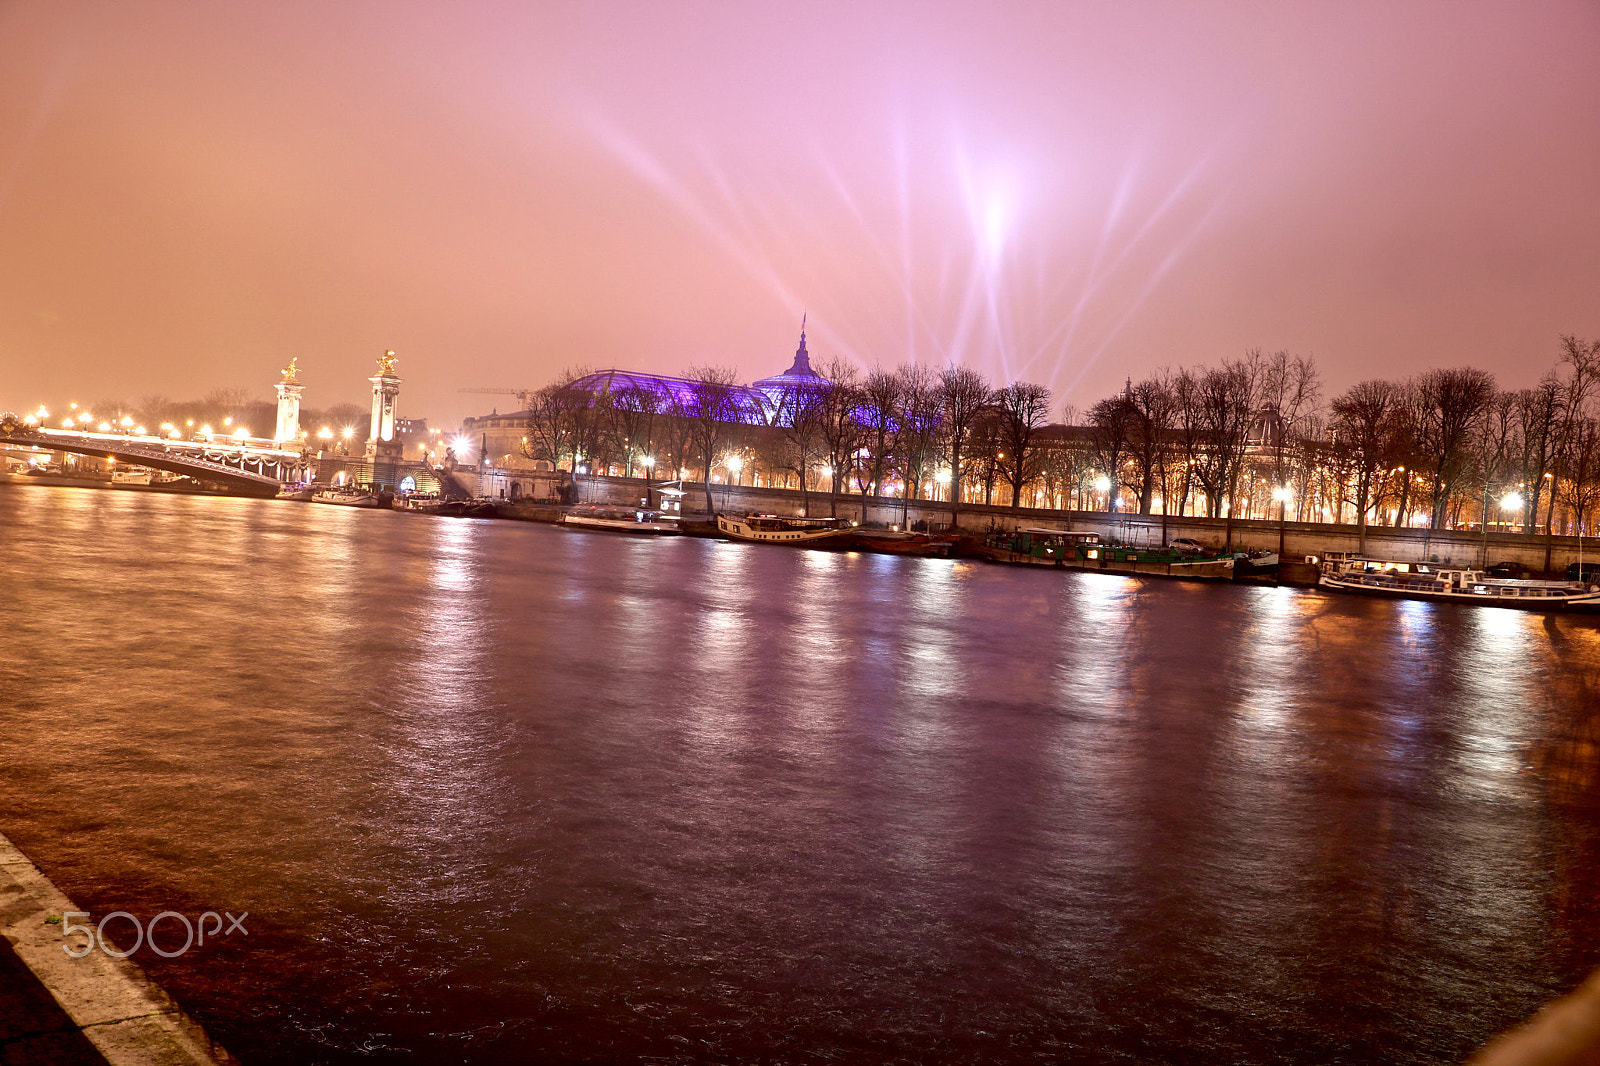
<point>496,791</point>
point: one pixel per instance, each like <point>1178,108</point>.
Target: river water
<point>496,791</point>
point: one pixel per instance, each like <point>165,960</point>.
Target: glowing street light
<point>1282,495</point>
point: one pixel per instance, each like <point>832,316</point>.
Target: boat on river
<point>419,502</point>
<point>783,529</point>
<point>1073,550</point>
<point>343,496</point>
<point>1425,581</point>
<point>474,507</point>
<point>897,542</point>
<point>621,519</point>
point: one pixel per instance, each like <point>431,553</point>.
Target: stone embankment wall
<point>1299,539</point>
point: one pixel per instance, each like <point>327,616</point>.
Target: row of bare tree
<point>1446,445</point>
<point>883,431</point>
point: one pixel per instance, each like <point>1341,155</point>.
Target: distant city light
<point>1511,501</point>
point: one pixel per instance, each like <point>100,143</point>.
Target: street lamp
<point>1282,495</point>
<point>1102,485</point>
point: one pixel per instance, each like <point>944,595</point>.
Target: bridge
<point>204,461</point>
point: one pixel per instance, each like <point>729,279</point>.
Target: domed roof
<point>798,376</point>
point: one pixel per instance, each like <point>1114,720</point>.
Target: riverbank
<point>95,1009</point>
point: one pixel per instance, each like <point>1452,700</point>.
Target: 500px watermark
<point>144,933</point>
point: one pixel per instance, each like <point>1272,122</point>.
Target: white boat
<point>345,497</point>
<point>1425,581</point>
<point>621,519</point>
<point>419,502</point>
<point>782,529</point>
<point>131,477</point>
<point>295,490</point>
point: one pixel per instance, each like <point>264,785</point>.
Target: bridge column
<point>385,392</point>
<point>289,390</point>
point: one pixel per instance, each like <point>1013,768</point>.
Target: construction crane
<point>521,394</point>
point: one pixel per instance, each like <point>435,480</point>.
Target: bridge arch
<point>159,457</point>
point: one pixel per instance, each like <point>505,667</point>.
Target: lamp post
<point>1102,484</point>
<point>1510,502</point>
<point>1282,495</point>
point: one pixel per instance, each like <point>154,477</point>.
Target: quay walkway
<point>97,1010</point>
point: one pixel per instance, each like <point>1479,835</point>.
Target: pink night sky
<point>1068,193</point>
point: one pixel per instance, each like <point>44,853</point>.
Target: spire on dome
<point>802,358</point>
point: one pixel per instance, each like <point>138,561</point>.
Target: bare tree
<point>800,416</point>
<point>843,430</point>
<point>1495,447</point>
<point>963,396</point>
<point>1151,409</point>
<point>565,421</point>
<point>634,410</point>
<point>1024,409</point>
<point>1578,454</point>
<point>917,434</point>
<point>880,406</point>
<point>1366,421</point>
<point>1111,428</point>
<point>1539,416</point>
<point>1290,386</point>
<point>1447,405</point>
<point>1216,410</point>
<point>716,411</point>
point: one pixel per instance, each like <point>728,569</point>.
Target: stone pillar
<point>289,390</point>
<point>385,392</point>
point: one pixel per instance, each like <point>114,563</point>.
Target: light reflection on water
<point>506,790</point>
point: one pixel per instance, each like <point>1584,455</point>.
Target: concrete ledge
<point>128,1018</point>
<point>1565,1033</point>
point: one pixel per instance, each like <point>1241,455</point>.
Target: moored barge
<point>1069,550</point>
<point>1424,581</point>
